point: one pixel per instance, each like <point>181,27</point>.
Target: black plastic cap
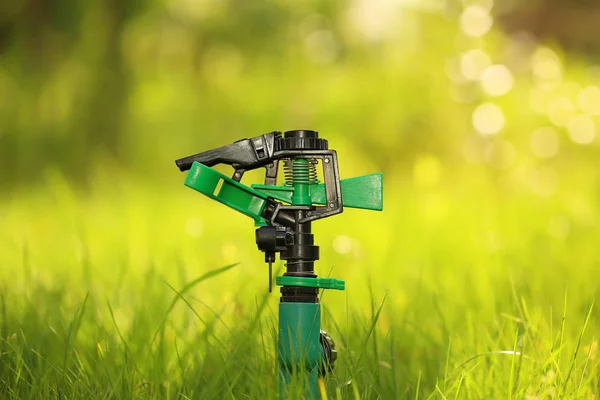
<point>302,139</point>
<point>301,133</point>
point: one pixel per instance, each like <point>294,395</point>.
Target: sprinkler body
<point>284,216</point>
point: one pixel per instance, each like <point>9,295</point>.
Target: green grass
<point>475,289</point>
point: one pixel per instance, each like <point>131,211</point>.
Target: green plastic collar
<point>321,283</point>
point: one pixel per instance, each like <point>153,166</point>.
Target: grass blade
<point>186,288</point>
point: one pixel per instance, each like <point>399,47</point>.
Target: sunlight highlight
<point>342,244</point>
<point>581,129</point>
<point>488,119</point>
<point>473,63</point>
<point>476,21</point>
<point>497,80</point>
<point>588,100</point>
<point>546,64</point>
<point>194,227</point>
<point>373,18</point>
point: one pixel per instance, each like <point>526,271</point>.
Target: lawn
<point>469,285</point>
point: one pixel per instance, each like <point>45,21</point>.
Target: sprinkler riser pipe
<point>300,351</point>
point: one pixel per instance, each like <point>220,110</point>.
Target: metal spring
<point>293,263</point>
<point>299,171</point>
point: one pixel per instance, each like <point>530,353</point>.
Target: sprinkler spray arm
<point>266,151</point>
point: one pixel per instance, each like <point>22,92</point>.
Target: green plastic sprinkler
<point>284,214</point>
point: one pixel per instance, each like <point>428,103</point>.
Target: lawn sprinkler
<point>284,215</point>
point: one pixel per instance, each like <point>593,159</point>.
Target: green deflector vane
<point>284,214</point>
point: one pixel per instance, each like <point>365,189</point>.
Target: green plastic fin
<point>281,193</point>
<point>225,190</point>
<point>364,192</point>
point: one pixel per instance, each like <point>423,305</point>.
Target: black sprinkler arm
<point>245,154</point>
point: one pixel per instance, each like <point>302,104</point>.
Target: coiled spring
<point>300,171</point>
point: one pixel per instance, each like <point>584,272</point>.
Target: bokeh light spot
<point>497,80</point>
<point>544,142</point>
<point>488,119</point>
<point>561,110</point>
<point>342,244</point>
<point>193,9</point>
<point>373,18</point>
<point>568,89</point>
<point>589,100</point>
<point>453,71</point>
<point>486,4</point>
<point>581,129</point>
<point>546,64</point>
<point>476,21</point>
<point>547,69</point>
<point>194,227</point>
<point>473,63</point>
<point>229,252</point>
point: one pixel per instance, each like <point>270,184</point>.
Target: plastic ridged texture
<point>300,140</point>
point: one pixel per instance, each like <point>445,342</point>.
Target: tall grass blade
<point>186,288</point>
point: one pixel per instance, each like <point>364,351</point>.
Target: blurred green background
<point>483,117</point>
<point>141,82</point>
